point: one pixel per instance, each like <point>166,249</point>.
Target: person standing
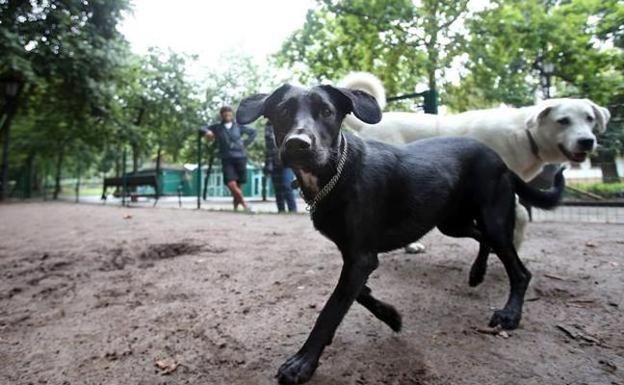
<point>232,140</point>
<point>281,176</point>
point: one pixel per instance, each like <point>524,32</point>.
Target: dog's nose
<point>298,142</point>
<point>586,143</point>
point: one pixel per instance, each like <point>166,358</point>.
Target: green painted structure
<point>173,178</point>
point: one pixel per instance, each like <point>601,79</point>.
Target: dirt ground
<point>105,295</point>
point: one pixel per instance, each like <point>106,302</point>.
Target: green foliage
<point>606,190</point>
<point>401,42</point>
<point>86,97</point>
<point>509,44</point>
<point>160,105</point>
<point>64,53</point>
<point>238,78</point>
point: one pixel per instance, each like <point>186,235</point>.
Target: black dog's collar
<point>311,207</point>
<point>533,144</point>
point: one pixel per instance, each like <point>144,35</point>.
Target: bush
<point>607,190</point>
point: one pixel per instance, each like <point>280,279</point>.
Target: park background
<point>85,83</point>
<point>111,294</point>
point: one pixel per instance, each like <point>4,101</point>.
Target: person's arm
<point>250,133</point>
<point>208,132</point>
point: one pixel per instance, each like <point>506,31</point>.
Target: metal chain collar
<point>311,207</point>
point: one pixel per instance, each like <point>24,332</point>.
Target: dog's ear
<point>363,105</point>
<point>251,108</point>
<point>602,116</point>
<point>536,117</point>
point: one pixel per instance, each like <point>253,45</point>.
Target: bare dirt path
<point>99,295</point>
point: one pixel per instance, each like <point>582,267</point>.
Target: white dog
<point>553,131</point>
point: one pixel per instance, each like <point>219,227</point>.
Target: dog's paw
<point>506,319</point>
<point>477,273</point>
<point>296,370</point>
<point>391,317</point>
<point>415,248</point>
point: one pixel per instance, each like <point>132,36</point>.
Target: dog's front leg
<point>385,312</point>
<point>355,271</point>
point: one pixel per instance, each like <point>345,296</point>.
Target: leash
<point>533,144</point>
<point>311,206</point>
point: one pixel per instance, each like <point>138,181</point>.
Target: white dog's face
<point>567,128</point>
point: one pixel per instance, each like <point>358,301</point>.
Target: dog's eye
<point>590,118</point>
<point>326,112</point>
<point>284,111</point>
<point>563,121</point>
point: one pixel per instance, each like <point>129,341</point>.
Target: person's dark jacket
<point>271,153</point>
<point>230,141</point>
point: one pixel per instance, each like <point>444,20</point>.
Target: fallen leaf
<point>167,365</point>
<point>551,276</point>
<point>491,331</point>
<point>127,216</point>
<point>590,244</point>
<point>569,333</point>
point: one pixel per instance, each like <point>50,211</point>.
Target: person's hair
<point>225,109</point>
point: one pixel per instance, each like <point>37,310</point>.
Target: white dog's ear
<point>602,116</point>
<point>536,117</point>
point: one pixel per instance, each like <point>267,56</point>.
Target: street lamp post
<point>11,90</point>
<point>547,69</point>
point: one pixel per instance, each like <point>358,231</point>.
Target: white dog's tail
<point>366,82</point>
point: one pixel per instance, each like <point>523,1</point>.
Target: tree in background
<point>510,43</point>
<point>500,51</point>
<point>160,106</point>
<point>403,42</point>
<point>84,92</point>
<point>237,78</point>
<point>61,54</point>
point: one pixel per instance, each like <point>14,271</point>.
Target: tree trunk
<point>11,109</point>
<point>158,181</point>
<point>609,171</point>
<point>30,162</point>
<point>118,163</point>
<point>77,188</point>
<point>606,159</point>
<point>135,157</point>
<point>59,166</point>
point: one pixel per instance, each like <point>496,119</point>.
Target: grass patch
<point>607,190</point>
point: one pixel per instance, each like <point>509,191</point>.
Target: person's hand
<point>209,135</point>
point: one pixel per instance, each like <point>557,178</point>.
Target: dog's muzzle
<point>585,144</point>
<point>298,142</point>
<point>297,150</point>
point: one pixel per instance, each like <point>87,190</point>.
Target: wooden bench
<point>125,184</point>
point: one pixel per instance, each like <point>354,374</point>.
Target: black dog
<point>369,197</point>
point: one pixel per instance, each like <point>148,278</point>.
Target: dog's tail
<point>366,82</point>
<point>543,199</point>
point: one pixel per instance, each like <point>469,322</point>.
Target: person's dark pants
<point>234,175</point>
<point>234,169</point>
<point>282,183</point>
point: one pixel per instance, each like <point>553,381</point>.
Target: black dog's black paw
<point>296,370</point>
<point>477,273</point>
<point>506,319</point>
<point>391,317</point>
